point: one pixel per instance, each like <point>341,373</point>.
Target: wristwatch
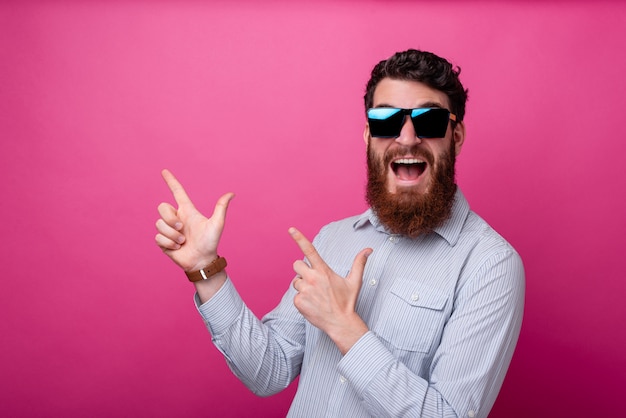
<point>212,269</point>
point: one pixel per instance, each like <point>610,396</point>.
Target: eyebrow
<point>423,105</point>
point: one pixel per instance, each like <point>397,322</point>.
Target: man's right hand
<point>189,238</point>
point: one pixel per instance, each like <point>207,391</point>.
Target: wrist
<point>202,262</point>
<point>206,289</point>
<point>349,333</point>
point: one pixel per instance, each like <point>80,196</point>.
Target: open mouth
<point>408,169</point>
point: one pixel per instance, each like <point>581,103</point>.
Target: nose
<point>407,134</point>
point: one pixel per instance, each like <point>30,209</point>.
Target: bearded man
<point>412,308</point>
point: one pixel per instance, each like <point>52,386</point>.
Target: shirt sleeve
<point>265,357</point>
<point>469,364</point>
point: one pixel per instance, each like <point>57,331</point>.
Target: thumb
<point>219,213</point>
<point>355,276</point>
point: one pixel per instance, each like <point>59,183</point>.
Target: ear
<point>458,136</point>
<point>366,134</point>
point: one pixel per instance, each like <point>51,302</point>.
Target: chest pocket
<point>412,316</point>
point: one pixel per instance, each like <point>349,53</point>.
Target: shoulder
<point>489,253</point>
<point>477,231</point>
<point>343,238</point>
<point>345,225</point>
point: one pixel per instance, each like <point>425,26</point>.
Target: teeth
<point>409,161</point>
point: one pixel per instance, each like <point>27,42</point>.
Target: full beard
<point>409,212</point>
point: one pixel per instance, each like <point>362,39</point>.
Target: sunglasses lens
<point>430,123</point>
<point>385,122</point>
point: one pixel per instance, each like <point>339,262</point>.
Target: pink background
<point>265,99</point>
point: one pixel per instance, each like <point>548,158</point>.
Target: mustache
<point>413,151</point>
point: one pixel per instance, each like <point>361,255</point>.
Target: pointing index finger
<point>180,195</point>
<point>306,247</point>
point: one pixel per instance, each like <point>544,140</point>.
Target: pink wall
<point>265,100</point>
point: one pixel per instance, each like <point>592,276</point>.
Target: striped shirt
<point>444,311</point>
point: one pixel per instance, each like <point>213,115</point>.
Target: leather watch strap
<point>212,269</point>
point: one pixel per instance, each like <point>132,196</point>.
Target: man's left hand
<point>327,300</point>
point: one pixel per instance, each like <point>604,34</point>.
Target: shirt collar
<point>450,230</point>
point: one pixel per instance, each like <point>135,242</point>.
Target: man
<point>410,309</point>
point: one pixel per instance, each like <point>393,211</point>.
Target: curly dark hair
<point>424,67</point>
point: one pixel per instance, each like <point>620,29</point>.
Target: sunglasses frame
<point>415,119</point>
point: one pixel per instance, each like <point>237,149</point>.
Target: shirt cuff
<point>222,310</point>
<point>367,350</point>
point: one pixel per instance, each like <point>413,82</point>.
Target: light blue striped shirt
<point>444,312</point>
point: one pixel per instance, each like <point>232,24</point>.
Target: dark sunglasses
<point>429,122</point>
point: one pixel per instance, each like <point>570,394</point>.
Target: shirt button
<point>342,379</point>
<point>373,282</point>
<point>393,238</point>
<point>471,414</point>
<point>414,298</point>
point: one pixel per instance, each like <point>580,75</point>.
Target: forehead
<point>407,94</point>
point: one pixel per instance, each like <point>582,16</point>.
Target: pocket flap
<point>416,294</point>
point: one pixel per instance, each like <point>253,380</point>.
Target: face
<point>411,180</point>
